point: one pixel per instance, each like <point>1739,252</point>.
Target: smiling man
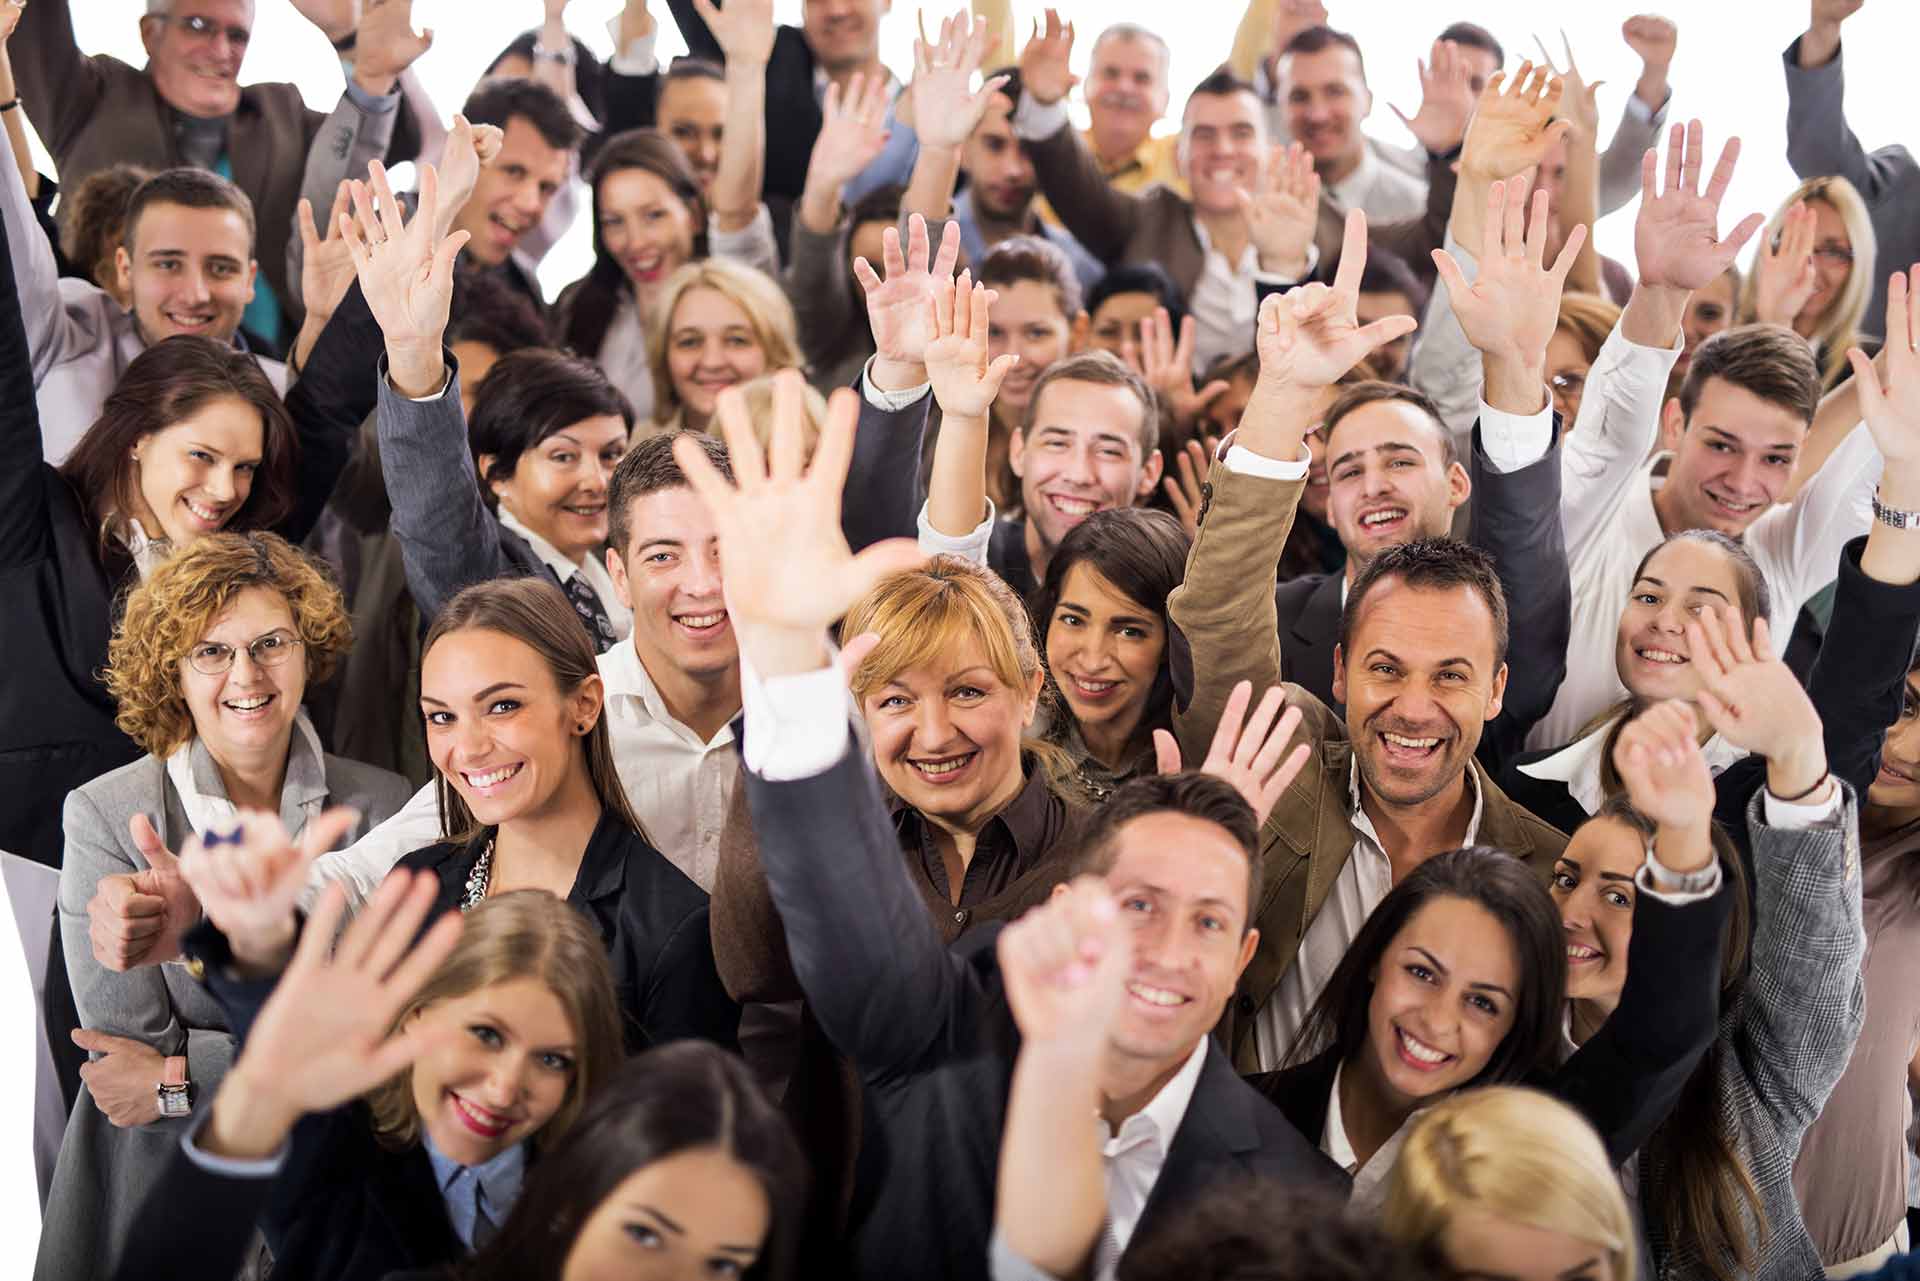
<point>537,151</point>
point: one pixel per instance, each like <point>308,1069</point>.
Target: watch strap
<point>1894,517</point>
<point>1673,882</point>
<point>174,1071</point>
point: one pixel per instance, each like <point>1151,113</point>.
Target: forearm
<point>248,1122</point>
<point>1859,679</point>
<point>1893,555</point>
<point>35,271</point>
<point>552,72</point>
<point>1051,1196</point>
<point>743,150</point>
<point>1579,206</point>
<point>930,189</point>
<point>17,128</point>
<point>1833,424</point>
<point>1818,45</point>
<point>957,492</point>
<point>1653,314</point>
<point>1251,38</point>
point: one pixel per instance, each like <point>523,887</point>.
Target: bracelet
<point>1795,799</point>
<point>9,106</point>
<point>1891,517</point>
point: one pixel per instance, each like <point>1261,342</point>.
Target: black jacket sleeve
<point>882,495</point>
<point>328,401</point>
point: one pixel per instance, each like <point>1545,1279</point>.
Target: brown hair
<point>1432,564</point>
<point>1358,395</point>
<point>1770,361</point>
<point>190,188</point>
<point>93,218</point>
<point>648,468</point>
<point>1033,258</point>
<point>1588,319</point>
<point>1199,796</point>
<point>167,615</point>
<point>168,382</point>
<point>525,934</point>
<point>1104,369</point>
<point>534,612</point>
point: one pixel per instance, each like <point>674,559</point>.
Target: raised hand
<point>1783,275</point>
<point>1676,238</point>
<point>122,1083</point>
<point>1184,490</point>
<point>1752,699</point>
<point>743,29</point>
<point>1654,38</point>
<point>387,44</point>
<point>326,265</point>
<point>945,107</point>
<point>1582,104</point>
<point>1511,309</point>
<point>853,130</point>
<point>1513,125</point>
<point>1311,336</point>
<point>1446,99</point>
<point>336,19</point>
<point>325,1035</point>
<point>249,878</point>
<point>469,148</point>
<point>790,573</point>
<point>138,918</point>
<point>1892,408</point>
<point>1065,963</point>
<point>1282,215</point>
<point>900,308</point>
<point>1045,64</point>
<point>1291,17</point>
<point>406,275</point>
<point>1168,366</point>
<point>1660,763</point>
<point>9,19</point>
<point>964,380</point>
<point>635,22</point>
<point>1248,751</point>
<point>1822,39</point>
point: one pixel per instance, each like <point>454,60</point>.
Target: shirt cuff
<point>266,1167</point>
<point>1033,121</point>
<point>1793,815</point>
<point>796,726</point>
<point>1243,460</point>
<point>1643,882</point>
<point>422,400</point>
<point>1513,441</point>
<point>369,103</point>
<point>638,58</point>
<point>889,402</point>
<point>971,545</point>
<point>1640,111</point>
<point>1275,278</point>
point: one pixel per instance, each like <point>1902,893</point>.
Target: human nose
<point>527,199</point>
<point>933,726</point>
<point>507,1080</point>
<point>703,577</point>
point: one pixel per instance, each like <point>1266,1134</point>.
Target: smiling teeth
<point>204,513</point>
<point>1731,503</point>
<point>940,767</point>
<point>249,704</point>
<point>1094,687</point>
<point>1401,740</point>
<point>1383,517</point>
<point>1421,1052</point>
<point>1661,656</point>
<point>1578,952</point>
<point>488,779</point>
<point>1156,995</point>
<point>702,620</point>
<point>1074,506</point>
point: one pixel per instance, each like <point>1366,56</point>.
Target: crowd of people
<point>978,697</point>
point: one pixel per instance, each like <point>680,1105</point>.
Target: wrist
<point>375,84</point>
<point>1514,385</point>
<point>263,953</point>
<point>247,1122</point>
<point>1900,484</point>
<point>890,374</point>
<point>1795,772</point>
<point>782,651</point>
<point>1683,847</point>
<point>1652,316</point>
<point>1292,265</point>
<point>1819,44</point>
<point>416,370</point>
<point>1651,88</point>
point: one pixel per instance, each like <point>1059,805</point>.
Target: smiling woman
<point>715,324</point>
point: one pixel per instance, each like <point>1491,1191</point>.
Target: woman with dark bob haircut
<point>682,1135</point>
<point>1459,979</point>
<point>1103,609</point>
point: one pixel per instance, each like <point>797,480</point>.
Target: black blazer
<point>793,114</point>
<point>343,1207</point>
<point>653,920</point>
<point>932,1036</point>
<point>1629,1074</point>
<point>62,585</point>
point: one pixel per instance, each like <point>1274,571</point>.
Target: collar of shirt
<point>1579,765</point>
<point>1364,825</point>
<point>635,699</point>
<point>1148,158</point>
<point>498,1179</point>
<point>1352,190</point>
<point>1154,1125</point>
<point>1007,846</point>
<point>1369,1180</point>
<point>148,553</point>
<point>564,568</point>
<point>1249,257</point>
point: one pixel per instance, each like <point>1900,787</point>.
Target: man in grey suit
<point>1820,144</point>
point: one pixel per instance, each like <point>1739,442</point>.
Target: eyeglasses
<point>212,658</point>
<point>206,28</point>
<point>1836,254</point>
<point>1568,383</point>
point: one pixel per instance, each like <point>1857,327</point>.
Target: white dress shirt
<point>565,567</point>
<point>1369,1191</point>
<point>1357,890</point>
<point>1386,193</point>
<point>1134,1157</point>
<point>1579,765</point>
<point>679,787</point>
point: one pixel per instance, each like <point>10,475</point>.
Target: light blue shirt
<point>466,1189</point>
<point>1086,267</point>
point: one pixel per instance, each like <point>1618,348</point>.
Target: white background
<point>1727,72</point>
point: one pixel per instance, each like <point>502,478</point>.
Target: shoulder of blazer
<point>139,786</point>
<point>1509,826</point>
<point>1301,1092</point>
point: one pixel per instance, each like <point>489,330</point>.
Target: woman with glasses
<point>1805,276</point>
<point>208,667</point>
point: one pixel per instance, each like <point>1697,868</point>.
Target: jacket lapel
<point>1317,630</point>
<point>1219,1126</point>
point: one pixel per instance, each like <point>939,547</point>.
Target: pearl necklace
<point>478,879</point>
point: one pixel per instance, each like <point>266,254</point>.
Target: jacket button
<point>1244,1004</point>
<point>960,918</point>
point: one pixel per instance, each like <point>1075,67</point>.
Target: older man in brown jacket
<point>1421,672</point>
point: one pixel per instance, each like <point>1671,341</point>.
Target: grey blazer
<point>1785,1040</point>
<point>104,1171</point>
<point>1820,143</point>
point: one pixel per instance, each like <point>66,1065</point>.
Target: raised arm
<point>60,87</point>
<point>15,118</point>
<point>744,30</point>
<point>1099,216</point>
<point>1307,340</point>
<point>946,110</point>
<point>1819,140</point>
<point>1655,39</point>
<point>964,384</point>
<point>25,534</point>
<point>866,954</point>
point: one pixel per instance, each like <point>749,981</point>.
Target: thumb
<point>1166,752</point>
<point>880,561</point>
<point>325,831</point>
<point>99,1042</point>
<point>855,652</point>
<point>1210,393</point>
<point>309,234</point>
<point>999,369</point>
<point>1866,380</point>
<point>151,847</point>
<point>1719,714</point>
<point>449,250</point>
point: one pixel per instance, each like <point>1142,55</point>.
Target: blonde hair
<point>754,292</point>
<point>1839,328</point>
<point>168,614</point>
<point>1515,1154</point>
<point>524,934</point>
<point>938,609</point>
<point>1588,319</point>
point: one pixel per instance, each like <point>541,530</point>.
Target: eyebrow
<point>1702,589</point>
<point>1113,436</point>
<point>1389,655</point>
<point>482,696</point>
<point>152,254</point>
<point>1729,437</point>
<point>667,1223</point>
<point>1434,961</point>
<point>1117,618</point>
<point>660,542</point>
<point>1389,447</point>
<point>1574,863</point>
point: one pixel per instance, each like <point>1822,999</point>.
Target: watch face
<point>173,1100</point>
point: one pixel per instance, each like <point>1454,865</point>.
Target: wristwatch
<point>1672,882</point>
<point>563,56</point>
<point>176,1098</point>
<point>1893,517</point>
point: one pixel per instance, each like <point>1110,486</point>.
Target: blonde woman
<point>716,324</point>
<point>208,668</point>
<point>1813,271</point>
<point>1506,1181</point>
<point>1585,321</point>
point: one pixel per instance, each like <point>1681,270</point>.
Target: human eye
<point>1719,447</point>
<point>1485,1004</point>
<point>439,720</point>
<point>893,702</point>
<point>212,651</point>
<point>738,341</point>
<point>1619,898</point>
<point>271,643</point>
<point>1779,460</point>
<point>1384,669</point>
<point>661,558</point>
<point>1419,971</point>
<point>1452,677</point>
<point>1212,924</point>
<point>1563,880</point>
<point>1134,633</point>
<point>725,1267</point>
<point>503,706</point>
<point>969,693</point>
<point>248,468</point>
<point>562,457</point>
<point>556,1062</point>
<point>486,1035</point>
<point>645,1236</point>
<point>1646,598</point>
<point>200,456</point>
<point>1135,903</point>
<point>1908,707</point>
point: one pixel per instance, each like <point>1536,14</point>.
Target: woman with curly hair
<point>208,667</point>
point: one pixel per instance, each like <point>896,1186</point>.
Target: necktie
<point>586,603</point>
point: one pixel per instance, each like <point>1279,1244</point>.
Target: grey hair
<point>1133,31</point>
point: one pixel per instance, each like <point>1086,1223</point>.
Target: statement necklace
<point>478,879</point>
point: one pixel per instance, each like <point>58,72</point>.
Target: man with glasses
<point>187,107</point>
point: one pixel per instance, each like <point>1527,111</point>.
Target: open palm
<point>964,380</point>
<point>407,278</point>
<point>1309,338</point>
<point>900,307</point>
<point>1676,240</point>
<point>1513,306</point>
<point>1513,124</point>
<point>1660,763</point>
<point>1891,406</point>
